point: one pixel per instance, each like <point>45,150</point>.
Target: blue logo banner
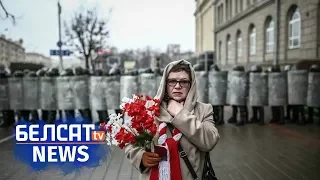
<point>41,147</point>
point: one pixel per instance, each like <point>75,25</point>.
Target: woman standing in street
<point>181,115</point>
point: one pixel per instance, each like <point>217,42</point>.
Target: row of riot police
<point>23,94</point>
<point>292,90</point>
<point>52,92</point>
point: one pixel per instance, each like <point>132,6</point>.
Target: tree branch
<point>8,15</point>
<point>86,33</point>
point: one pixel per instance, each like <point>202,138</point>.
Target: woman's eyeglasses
<point>182,83</point>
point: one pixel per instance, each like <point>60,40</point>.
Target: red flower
<point>109,128</point>
<point>121,145</point>
<point>153,129</point>
<point>142,119</point>
<point>148,98</point>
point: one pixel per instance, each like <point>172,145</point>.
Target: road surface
<point>250,152</point>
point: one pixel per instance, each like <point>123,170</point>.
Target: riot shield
<point>128,86</point>
<point>98,93</point>
<point>277,89</point>
<point>217,87</point>
<point>297,87</point>
<point>48,93</point>
<point>202,85</point>
<point>65,93</point>
<point>237,88</point>
<point>313,98</point>
<point>16,93</point>
<point>147,84</point>
<point>112,91</point>
<point>258,89</point>
<point>81,91</point>
<point>31,91</point>
<point>158,79</point>
<point>4,94</point>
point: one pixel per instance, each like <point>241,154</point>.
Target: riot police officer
<point>115,71</point>
<point>311,115</point>
<point>298,111</point>
<point>79,71</point>
<point>8,114</point>
<point>257,111</point>
<point>242,108</point>
<point>102,113</point>
<point>289,107</point>
<point>277,111</point>
<point>34,112</point>
<point>218,110</point>
<point>44,113</point>
<point>21,113</point>
<point>70,113</point>
<point>52,114</point>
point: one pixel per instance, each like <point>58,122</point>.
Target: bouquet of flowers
<point>136,125</point>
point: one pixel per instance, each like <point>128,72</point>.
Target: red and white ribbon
<point>164,166</point>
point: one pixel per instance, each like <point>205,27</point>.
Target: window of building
<point>220,14</point>
<point>269,36</point>
<point>230,10</point>
<point>241,5</point>
<point>227,9</point>
<point>239,46</point>
<point>252,40</point>
<point>294,29</point>
<point>229,48</point>
<point>236,6</point>
<point>220,51</point>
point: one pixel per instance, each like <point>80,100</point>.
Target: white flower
<point>125,100</point>
<point>149,103</point>
<point>127,120</point>
<point>134,97</point>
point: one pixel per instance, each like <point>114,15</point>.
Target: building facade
<point>11,51</point>
<point>247,32</point>
<point>37,58</point>
<point>204,17</point>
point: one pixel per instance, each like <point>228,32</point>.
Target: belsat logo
<point>59,143</point>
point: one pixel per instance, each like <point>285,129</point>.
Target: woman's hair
<point>182,67</point>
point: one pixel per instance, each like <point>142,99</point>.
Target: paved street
<point>250,152</point>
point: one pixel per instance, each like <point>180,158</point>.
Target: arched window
<point>269,35</point>
<point>239,46</point>
<point>252,40</point>
<point>220,51</point>
<point>229,48</point>
<point>294,29</point>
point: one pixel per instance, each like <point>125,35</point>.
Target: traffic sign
<point>59,43</point>
<point>57,52</point>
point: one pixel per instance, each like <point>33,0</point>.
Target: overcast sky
<point>133,23</point>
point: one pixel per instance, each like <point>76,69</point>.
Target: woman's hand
<point>174,107</point>
<point>150,159</point>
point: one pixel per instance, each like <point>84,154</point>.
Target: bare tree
<point>7,14</point>
<point>86,33</point>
